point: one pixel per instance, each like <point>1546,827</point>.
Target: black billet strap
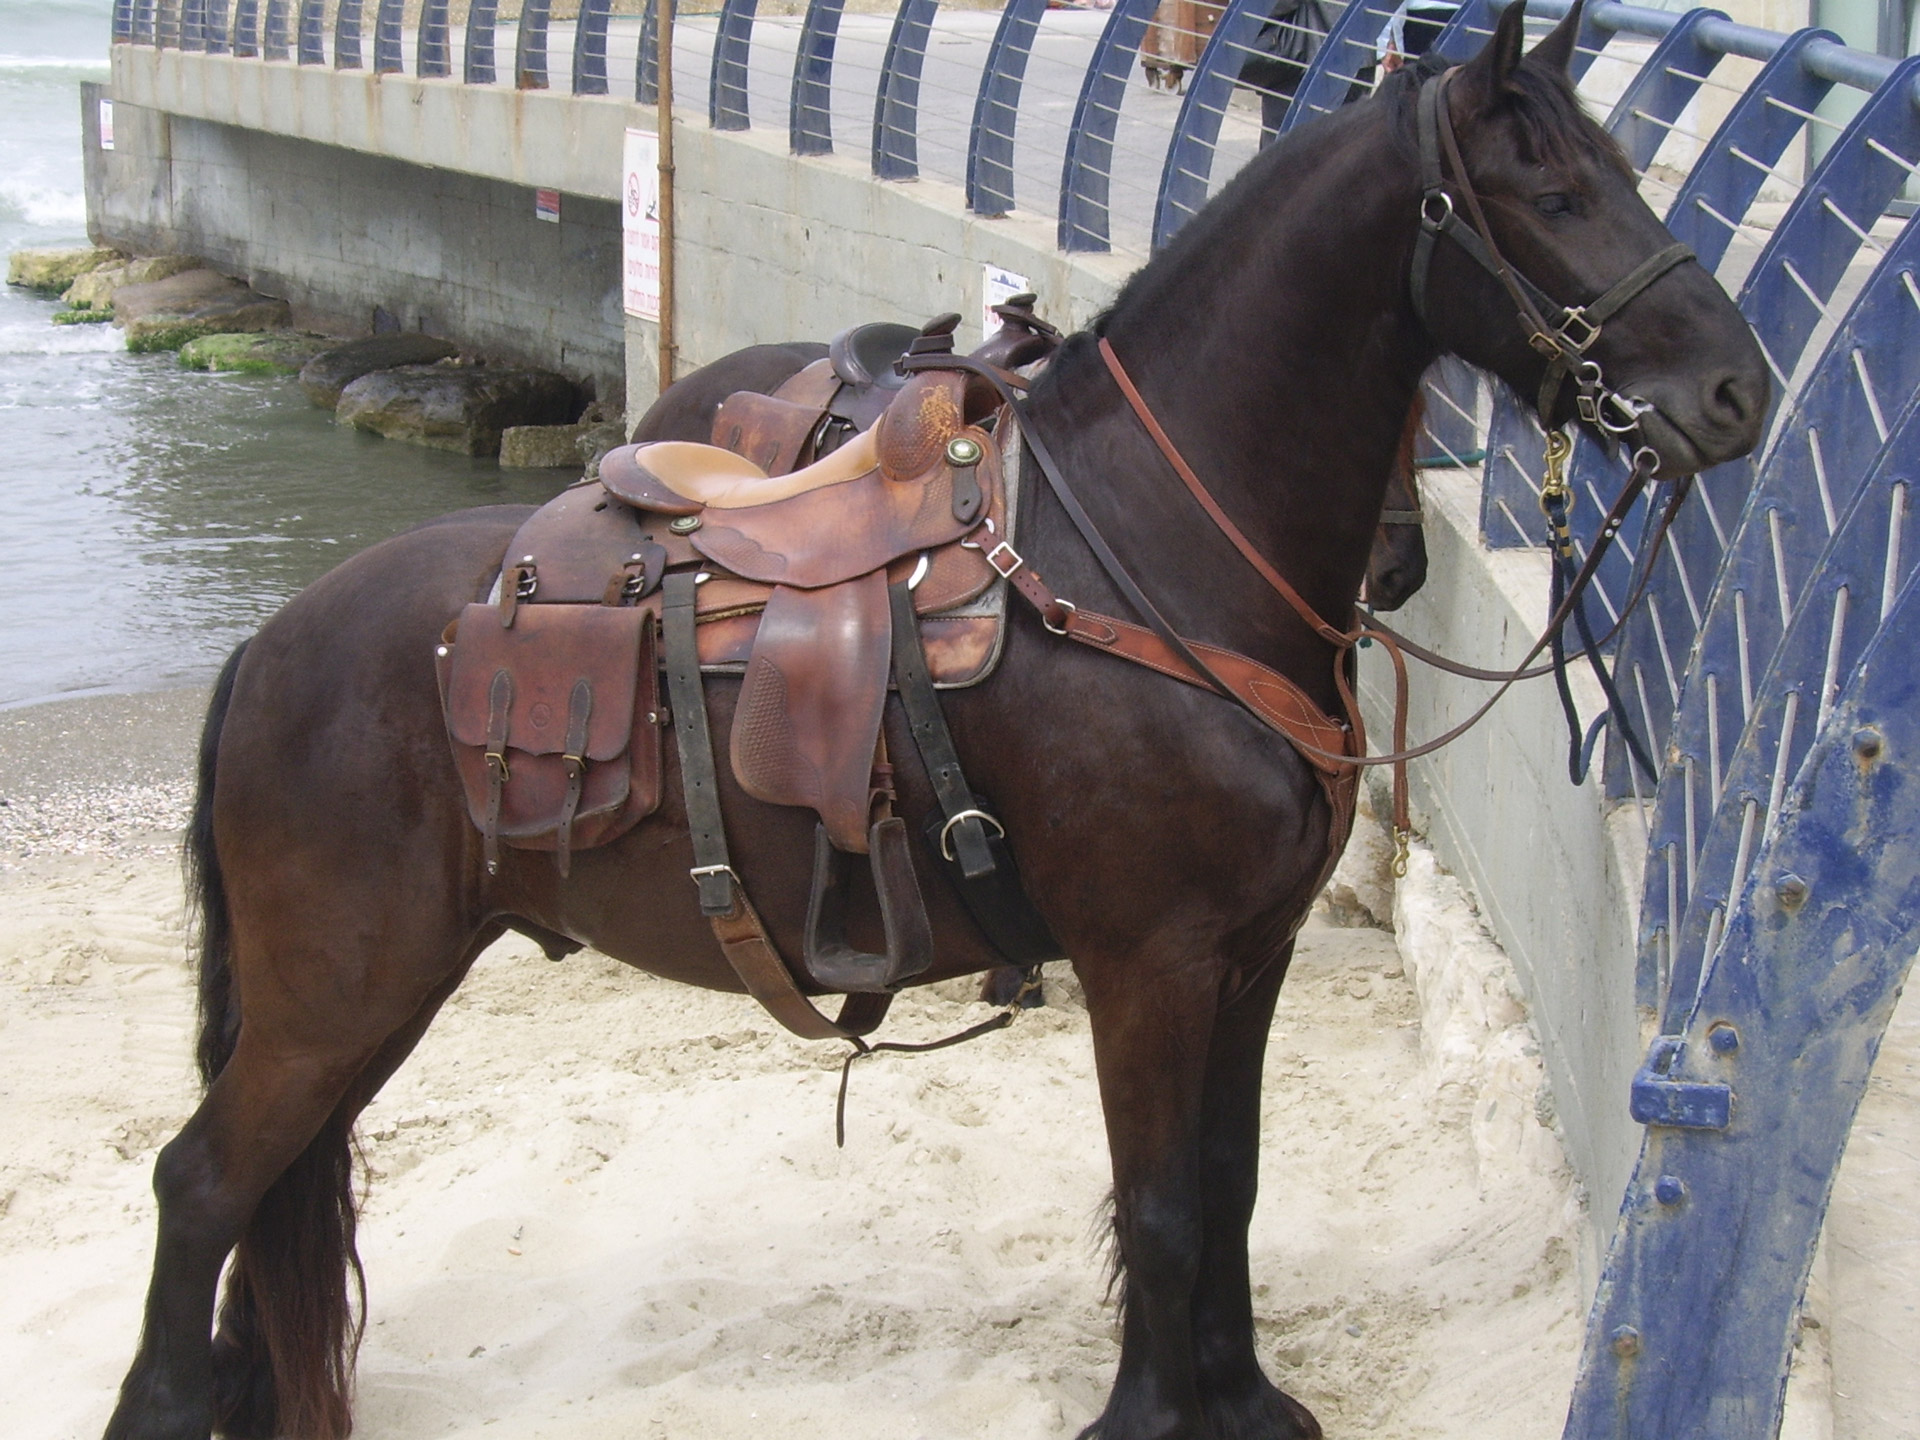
<point>963,820</point>
<point>700,785</point>
<point>976,859</point>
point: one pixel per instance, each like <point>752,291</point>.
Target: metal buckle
<point>993,559</point>
<point>1428,218</point>
<point>497,762</point>
<point>701,872</point>
<point>1625,405</point>
<point>1577,315</point>
<point>1066,605</point>
<point>946,850</point>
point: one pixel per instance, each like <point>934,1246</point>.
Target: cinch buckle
<point>946,830</point>
<point>701,872</point>
<point>993,558</point>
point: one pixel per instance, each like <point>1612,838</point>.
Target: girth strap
<point>723,900</point>
<point>970,843</point>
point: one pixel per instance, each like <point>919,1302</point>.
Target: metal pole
<point>663,67</point>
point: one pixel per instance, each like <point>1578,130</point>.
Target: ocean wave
<point>92,64</point>
<point>49,339</point>
<point>45,206</point>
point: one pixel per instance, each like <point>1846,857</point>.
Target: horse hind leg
<point>264,1170</point>
<point>300,1243</point>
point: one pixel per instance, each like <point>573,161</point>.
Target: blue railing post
<point>122,21</point>
<point>896,103</point>
<point>1086,175</point>
<point>810,107</point>
<point>530,45</point>
<point>1347,50</point>
<point>346,35</point>
<point>433,55</point>
<point>996,109</point>
<point>213,27</point>
<point>246,29</point>
<point>145,22</point>
<point>476,66</point>
<point>646,77</point>
<point>727,88</point>
<point>590,47</point>
<point>312,38</point>
<point>388,51</point>
<point>276,31</point>
<point>166,25</point>
<point>193,25</point>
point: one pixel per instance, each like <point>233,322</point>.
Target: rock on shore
<point>51,271</point>
<point>268,353</point>
<point>95,289</point>
<point>462,408</point>
<point>165,314</point>
<point>331,371</point>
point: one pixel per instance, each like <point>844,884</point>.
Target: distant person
<point>1410,32</point>
<point>1281,52</point>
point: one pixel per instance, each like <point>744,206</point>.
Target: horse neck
<point>1282,358</point>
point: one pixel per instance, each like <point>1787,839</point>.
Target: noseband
<point>1564,341</point>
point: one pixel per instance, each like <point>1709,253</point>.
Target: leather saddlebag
<point>555,723</point>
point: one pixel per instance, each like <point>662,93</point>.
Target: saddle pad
<point>808,718</point>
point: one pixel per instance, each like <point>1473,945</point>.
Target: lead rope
<point>861,1049</point>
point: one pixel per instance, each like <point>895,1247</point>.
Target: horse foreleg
<point>1151,1031</point>
<point>1240,1402</point>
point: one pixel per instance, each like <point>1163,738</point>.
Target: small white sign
<point>640,225</point>
<point>106,124</point>
<point>997,286</point>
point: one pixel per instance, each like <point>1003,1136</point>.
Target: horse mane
<point>1554,127</point>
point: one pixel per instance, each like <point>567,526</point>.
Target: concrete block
<point>542,447</point>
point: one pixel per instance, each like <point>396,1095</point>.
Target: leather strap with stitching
<point>723,900</point>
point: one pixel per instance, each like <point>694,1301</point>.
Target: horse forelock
<point>1554,126</point>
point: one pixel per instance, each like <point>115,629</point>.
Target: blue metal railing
<point>896,103</point>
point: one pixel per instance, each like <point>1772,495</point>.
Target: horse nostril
<point>1735,401</point>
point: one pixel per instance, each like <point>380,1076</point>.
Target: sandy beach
<point>599,1205</point>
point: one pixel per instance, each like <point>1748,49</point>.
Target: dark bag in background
<point>1285,46</point>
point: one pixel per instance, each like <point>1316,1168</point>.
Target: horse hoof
<point>1013,984</point>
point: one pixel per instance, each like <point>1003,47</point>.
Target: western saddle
<point>841,538</point>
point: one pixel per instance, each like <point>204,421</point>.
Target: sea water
<point>152,517</point>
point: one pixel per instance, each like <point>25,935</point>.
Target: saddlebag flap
<point>555,723</point>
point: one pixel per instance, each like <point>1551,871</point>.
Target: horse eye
<point>1553,205</point>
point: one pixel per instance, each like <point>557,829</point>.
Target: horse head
<point>1638,329</point>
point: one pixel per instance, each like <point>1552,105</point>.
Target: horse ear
<point>1557,49</point>
<point>1493,67</point>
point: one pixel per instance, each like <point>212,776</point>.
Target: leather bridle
<point>1565,340</point>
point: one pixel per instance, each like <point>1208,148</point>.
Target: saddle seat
<point>681,477</point>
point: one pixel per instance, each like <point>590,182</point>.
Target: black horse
<point>1171,840</point>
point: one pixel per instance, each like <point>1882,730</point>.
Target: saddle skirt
<point>793,574</point>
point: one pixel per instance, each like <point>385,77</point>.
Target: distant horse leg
<point>1239,1400</point>
<point>1151,1023</point>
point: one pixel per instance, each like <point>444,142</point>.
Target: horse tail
<point>289,1330</point>
<point>207,890</point>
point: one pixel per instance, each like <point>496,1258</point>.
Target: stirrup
<point>829,959</point>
